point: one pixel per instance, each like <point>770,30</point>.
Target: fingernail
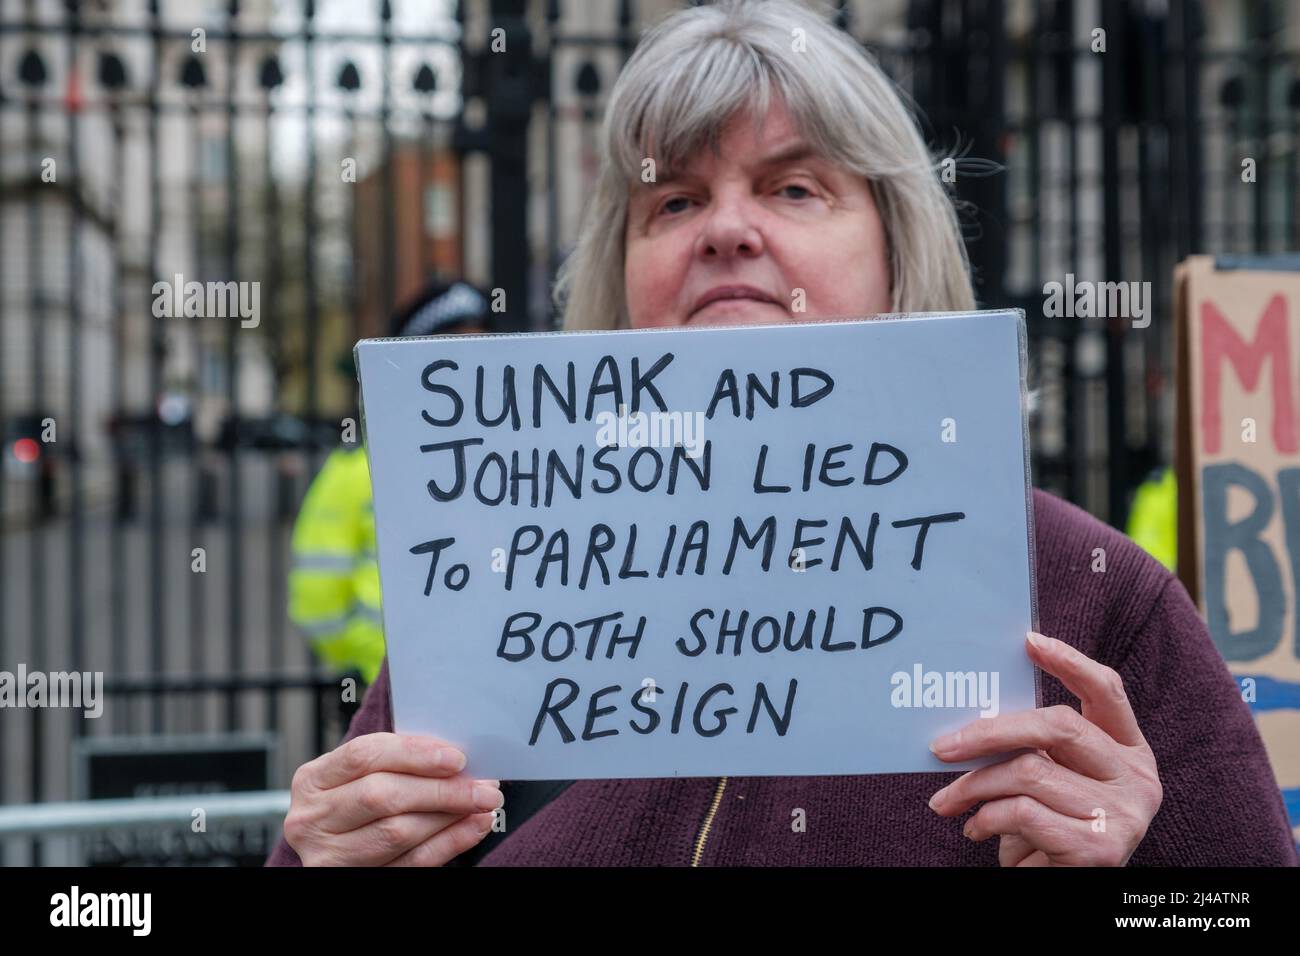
<point>492,783</point>
<point>1036,639</point>
<point>449,758</point>
<point>487,798</point>
<point>937,798</point>
<point>965,831</point>
<point>945,743</point>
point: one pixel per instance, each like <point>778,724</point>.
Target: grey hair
<point>703,65</point>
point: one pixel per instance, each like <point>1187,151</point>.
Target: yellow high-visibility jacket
<point>1153,522</point>
<point>334,593</point>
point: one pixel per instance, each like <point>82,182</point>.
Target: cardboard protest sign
<point>793,549</point>
<point>1238,464</point>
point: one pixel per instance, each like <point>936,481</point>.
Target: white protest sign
<point>789,549</point>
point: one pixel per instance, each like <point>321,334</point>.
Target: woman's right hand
<point>388,800</point>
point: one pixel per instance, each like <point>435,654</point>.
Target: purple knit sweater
<point>1221,804</point>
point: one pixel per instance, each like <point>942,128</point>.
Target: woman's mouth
<point>733,305</point>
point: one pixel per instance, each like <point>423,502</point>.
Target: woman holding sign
<point>758,167</point>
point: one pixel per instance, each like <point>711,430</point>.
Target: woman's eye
<point>669,202</point>
<point>803,189</point>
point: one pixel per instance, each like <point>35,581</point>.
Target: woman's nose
<point>729,228</point>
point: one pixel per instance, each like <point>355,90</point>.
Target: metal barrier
<point>305,713</point>
<point>50,819</point>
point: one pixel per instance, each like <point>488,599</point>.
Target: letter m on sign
<point>1219,340</point>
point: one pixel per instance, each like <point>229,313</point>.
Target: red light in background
<point>26,450</point>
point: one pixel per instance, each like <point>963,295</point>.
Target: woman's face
<point>764,232</point>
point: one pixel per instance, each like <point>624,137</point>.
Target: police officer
<point>1153,522</point>
<point>334,594</point>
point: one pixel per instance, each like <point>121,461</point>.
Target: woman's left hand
<point>1085,798</point>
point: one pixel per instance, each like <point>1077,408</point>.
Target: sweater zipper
<point>708,822</point>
